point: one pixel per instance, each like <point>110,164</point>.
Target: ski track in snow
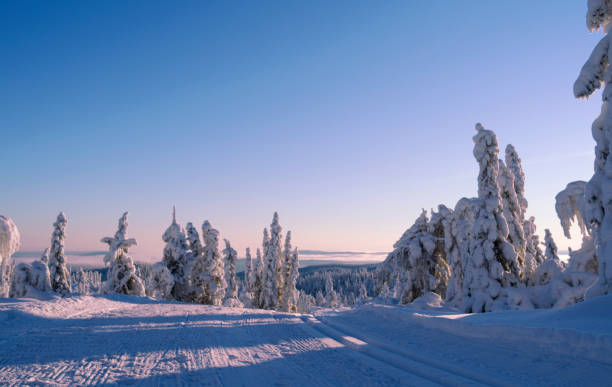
<point>120,340</point>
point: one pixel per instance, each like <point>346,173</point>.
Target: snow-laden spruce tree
<point>20,282</point>
<point>420,256</point>
<point>551,246</point>
<point>514,163</point>
<point>291,294</point>
<point>331,297</point>
<point>60,275</point>
<point>533,253</point>
<point>231,294</point>
<point>249,279</point>
<point>492,263</point>
<point>552,266</point>
<point>195,245</point>
<point>598,211</point>
<point>258,278</point>
<point>177,259</point>
<point>461,226</point>
<point>276,253</point>
<point>514,215</point>
<point>269,293</point>
<point>214,272</point>
<point>121,277</point>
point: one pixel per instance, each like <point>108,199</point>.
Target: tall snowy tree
<point>258,276</point>
<point>598,211</point>
<point>231,293</point>
<point>121,276</point>
<point>291,294</point>
<point>194,243</point>
<point>514,164</point>
<point>60,275</point>
<point>269,292</point>
<point>551,246</point>
<point>275,250</point>
<point>492,263</point>
<point>249,277</point>
<point>331,297</point>
<point>177,260</point>
<point>513,213</point>
<point>213,273</point>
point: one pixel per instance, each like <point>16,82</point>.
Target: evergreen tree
<point>269,292</point>
<point>598,211</point>
<point>249,278</point>
<point>513,214</point>
<point>492,263</point>
<point>275,251</point>
<point>177,260</point>
<point>230,256</point>
<point>41,276</point>
<point>215,276</point>
<point>258,275</point>
<point>60,275</point>
<point>290,293</point>
<point>331,297</point>
<point>121,276</point>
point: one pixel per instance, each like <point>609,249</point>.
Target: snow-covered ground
<point>137,341</point>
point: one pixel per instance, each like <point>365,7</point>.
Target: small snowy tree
<point>60,275</point>
<point>331,297</point>
<point>41,277</point>
<point>122,277</point>
<point>176,259</point>
<point>533,253</point>
<point>231,293</point>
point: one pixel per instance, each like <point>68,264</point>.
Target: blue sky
<point>347,117</point>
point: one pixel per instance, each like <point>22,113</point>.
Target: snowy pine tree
<point>269,292</point>
<point>258,278</point>
<point>331,297</point>
<point>121,277</point>
<point>214,275</point>
<point>291,294</point>
<point>177,260</point>
<point>492,263</point>
<point>231,293</point>
<point>60,275</point>
<point>41,276</point>
<point>598,211</point>
<point>275,250</point>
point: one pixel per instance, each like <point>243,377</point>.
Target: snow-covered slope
<point>132,340</point>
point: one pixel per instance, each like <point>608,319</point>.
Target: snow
<point>124,340</point>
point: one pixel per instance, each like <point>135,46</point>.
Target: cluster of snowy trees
<point>192,269</point>
<point>332,286</point>
<point>484,254</point>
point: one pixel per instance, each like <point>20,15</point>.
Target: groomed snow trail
<point>135,341</point>
<point>121,340</point>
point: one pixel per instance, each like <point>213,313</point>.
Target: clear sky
<point>346,117</point>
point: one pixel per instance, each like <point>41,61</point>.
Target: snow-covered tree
<point>269,292</point>
<point>598,191</point>
<point>551,246</point>
<point>89,282</point>
<point>209,276</point>
<point>461,226</point>
<point>533,253</point>
<point>319,298</point>
<point>418,261</point>
<point>305,303</point>
<point>231,294</point>
<point>513,213</point>
<point>60,275</point>
<point>177,260</point>
<point>276,254</point>
<point>331,297</point>
<point>363,294</point>
<point>291,294</point>
<point>514,164</point>
<point>10,241</point>
<point>492,263</point>
<point>122,277</point>
<point>258,278</point>
<point>41,276</point>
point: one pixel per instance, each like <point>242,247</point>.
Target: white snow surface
<point>126,340</point>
